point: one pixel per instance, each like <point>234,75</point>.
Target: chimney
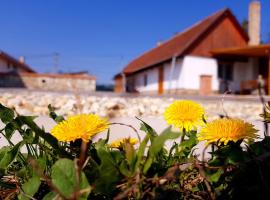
<point>22,59</point>
<point>159,43</point>
<point>254,21</point>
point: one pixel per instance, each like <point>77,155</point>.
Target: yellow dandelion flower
<point>82,126</point>
<point>120,142</point>
<point>185,114</point>
<point>225,130</point>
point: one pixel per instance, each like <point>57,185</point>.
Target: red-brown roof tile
<point>177,45</point>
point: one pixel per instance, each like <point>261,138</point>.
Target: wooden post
<point>160,79</point>
<point>269,75</point>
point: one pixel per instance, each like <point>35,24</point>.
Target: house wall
<point>152,80</point>
<point>194,67</point>
<point>4,66</point>
<point>173,79</point>
<point>49,82</point>
<point>184,77</point>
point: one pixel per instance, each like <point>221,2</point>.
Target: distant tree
<point>244,25</point>
<point>268,38</point>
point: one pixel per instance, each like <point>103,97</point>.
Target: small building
<point>118,83</point>
<point>17,74</point>
<point>9,64</point>
<point>193,61</point>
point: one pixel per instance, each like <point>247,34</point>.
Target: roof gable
<point>181,43</point>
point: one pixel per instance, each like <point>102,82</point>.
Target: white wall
<point>185,75</point>
<point>152,80</point>
<point>194,67</point>
<point>173,78</point>
<point>4,66</point>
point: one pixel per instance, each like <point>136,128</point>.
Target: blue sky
<point>101,36</point>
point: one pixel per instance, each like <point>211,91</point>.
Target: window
<point>145,80</point>
<point>225,71</point>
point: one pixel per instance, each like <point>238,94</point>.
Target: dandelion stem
<point>80,164</point>
<point>183,135</point>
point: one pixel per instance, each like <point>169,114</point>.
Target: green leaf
<point>108,171</point>
<point>28,137</point>
<point>3,151</point>
<point>30,187</point>
<point>215,176</point>
<point>6,114</point>
<point>28,120</point>
<point>185,147</point>
<point>49,196</point>
<point>10,155</point>
<point>10,128</point>
<point>53,115</point>
<point>232,153</point>
<point>158,144</point>
<point>141,151</point>
<point>124,169</point>
<point>160,140</point>
<point>64,178</point>
<point>148,129</point>
<point>103,142</point>
<point>147,164</point>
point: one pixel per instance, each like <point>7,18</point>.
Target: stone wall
<point>54,82</point>
<point>109,105</point>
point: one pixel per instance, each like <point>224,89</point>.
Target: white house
<point>201,59</point>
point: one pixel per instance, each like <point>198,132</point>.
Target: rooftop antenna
<point>55,59</point>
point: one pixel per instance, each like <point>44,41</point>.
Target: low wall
<point>109,105</point>
<point>54,82</point>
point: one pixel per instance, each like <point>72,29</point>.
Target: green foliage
<point>6,114</point>
<point>65,179</point>
<point>157,145</point>
<point>56,170</point>
<point>8,155</point>
<point>53,115</point>
<point>30,188</point>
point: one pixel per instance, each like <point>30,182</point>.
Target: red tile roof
<point>24,66</point>
<point>177,45</point>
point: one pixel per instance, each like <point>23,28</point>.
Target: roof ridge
<point>183,42</point>
<point>194,25</point>
<point>221,11</point>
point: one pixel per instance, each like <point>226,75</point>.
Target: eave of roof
<point>179,44</point>
<point>248,51</point>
